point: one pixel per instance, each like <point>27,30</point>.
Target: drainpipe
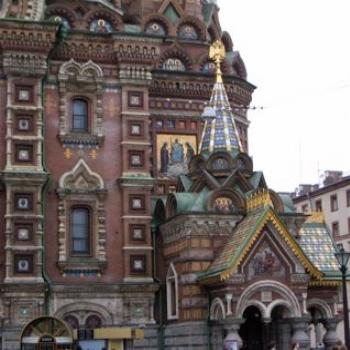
<point>208,322</point>
<point>154,230</point>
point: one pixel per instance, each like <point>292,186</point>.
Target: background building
<point>333,199</point>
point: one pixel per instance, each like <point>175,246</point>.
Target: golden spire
<point>217,54</point>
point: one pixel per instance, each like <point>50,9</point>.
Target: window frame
<point>334,203</point>
<point>347,194</point>
<point>86,129</point>
<point>318,205</point>
<point>88,252</point>
<point>172,280</point>
<point>335,224</point>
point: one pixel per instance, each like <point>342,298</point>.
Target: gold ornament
<point>217,54</point>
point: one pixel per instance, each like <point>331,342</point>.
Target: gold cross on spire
<point>217,54</point>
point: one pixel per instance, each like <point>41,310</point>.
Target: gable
<point>242,241</point>
<point>270,258</point>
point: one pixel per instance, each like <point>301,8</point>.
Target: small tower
<point>220,131</point>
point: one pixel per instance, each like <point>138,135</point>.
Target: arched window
<point>187,32</point>
<point>72,321</point>
<point>155,28</point>
<point>100,25</point>
<point>80,116</point>
<point>62,20</point>
<point>93,322</point>
<point>80,230</point>
<point>174,64</point>
<point>172,293</point>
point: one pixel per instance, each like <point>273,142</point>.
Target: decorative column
<point>232,326</point>
<point>300,332</point>
<point>330,338</point>
<point>228,298</point>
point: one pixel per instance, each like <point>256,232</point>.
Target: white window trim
<point>172,276</point>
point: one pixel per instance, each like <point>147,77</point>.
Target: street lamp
<point>343,258</point>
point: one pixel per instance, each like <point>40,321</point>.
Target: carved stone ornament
<point>83,185</point>
<point>86,79</point>
<point>29,9</point>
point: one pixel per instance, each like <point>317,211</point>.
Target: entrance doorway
<point>280,330</point>
<point>251,330</point>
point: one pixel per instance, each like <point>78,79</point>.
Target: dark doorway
<point>280,328</point>
<point>251,330</point>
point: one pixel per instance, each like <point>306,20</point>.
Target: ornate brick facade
<point>100,105</point>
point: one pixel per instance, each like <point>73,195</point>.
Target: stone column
<point>300,332</point>
<point>330,338</point>
<point>231,326</point>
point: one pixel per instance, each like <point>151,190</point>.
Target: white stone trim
<point>217,305</point>
<point>172,275</point>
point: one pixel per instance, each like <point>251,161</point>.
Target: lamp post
<point>343,258</point>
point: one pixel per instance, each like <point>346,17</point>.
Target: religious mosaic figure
<point>100,26</point>
<point>265,261</point>
<point>173,64</point>
<point>164,158</point>
<point>177,152</point>
<point>189,152</point>
<point>223,205</point>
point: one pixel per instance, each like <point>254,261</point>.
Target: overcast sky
<point>297,53</point>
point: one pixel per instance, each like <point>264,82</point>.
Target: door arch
<point>46,333</point>
<point>252,331</point>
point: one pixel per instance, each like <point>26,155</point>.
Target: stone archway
<point>280,328</point>
<point>252,330</point>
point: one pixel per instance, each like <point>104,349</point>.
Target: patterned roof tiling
<point>244,237</point>
<point>233,248</point>
<point>220,133</point>
<point>317,244</point>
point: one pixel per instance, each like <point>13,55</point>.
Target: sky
<point>297,53</point>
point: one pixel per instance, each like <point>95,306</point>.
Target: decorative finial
<point>217,54</point>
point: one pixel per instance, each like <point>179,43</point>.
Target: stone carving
<point>86,78</point>
<point>90,188</point>
<point>29,9</point>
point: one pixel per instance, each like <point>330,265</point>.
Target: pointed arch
<point>71,67</point>
<point>196,23</point>
<point>176,51</point>
<point>81,177</point>
<point>90,68</point>
<point>87,69</point>
<point>81,195</point>
<point>172,293</point>
<point>114,18</point>
<point>156,17</point>
<point>217,310</point>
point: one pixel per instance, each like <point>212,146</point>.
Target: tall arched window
<point>172,293</point>
<point>72,321</point>
<point>93,322</point>
<point>80,230</point>
<point>80,116</point>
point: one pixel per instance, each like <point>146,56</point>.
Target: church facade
<point>131,219</point>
